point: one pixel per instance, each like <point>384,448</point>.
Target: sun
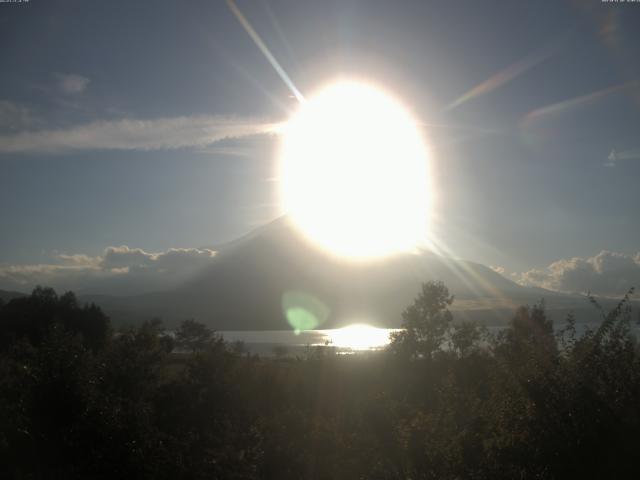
<point>354,172</point>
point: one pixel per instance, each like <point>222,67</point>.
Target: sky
<point>152,127</point>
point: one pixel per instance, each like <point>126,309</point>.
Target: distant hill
<point>7,295</point>
<point>244,287</point>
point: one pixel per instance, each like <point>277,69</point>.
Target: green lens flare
<point>303,311</point>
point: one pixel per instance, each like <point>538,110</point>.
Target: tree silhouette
<point>194,336</point>
<point>465,337</point>
<point>512,405</point>
<point>426,323</point>
<point>35,316</point>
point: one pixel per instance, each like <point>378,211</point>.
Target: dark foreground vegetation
<point>445,401</point>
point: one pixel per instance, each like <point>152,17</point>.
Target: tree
<point>35,316</point>
<point>465,337</point>
<point>239,348</point>
<point>280,351</point>
<point>426,322</point>
<point>530,335</point>
<point>194,336</point>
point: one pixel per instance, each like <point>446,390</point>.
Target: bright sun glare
<point>359,337</point>
<point>354,172</point>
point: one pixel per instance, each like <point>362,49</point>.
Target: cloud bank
<point>119,270</point>
<point>607,273</point>
<point>127,134</point>
<point>127,271</point>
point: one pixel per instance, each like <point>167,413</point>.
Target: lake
<point>350,339</point>
<point>347,339</point>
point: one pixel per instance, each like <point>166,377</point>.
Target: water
<point>349,339</point>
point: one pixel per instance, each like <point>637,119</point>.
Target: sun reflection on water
<point>358,337</point>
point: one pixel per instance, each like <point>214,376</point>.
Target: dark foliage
<point>34,317</point>
<point>194,336</point>
<point>445,401</point>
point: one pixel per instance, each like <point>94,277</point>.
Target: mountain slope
<point>7,295</point>
<point>245,286</point>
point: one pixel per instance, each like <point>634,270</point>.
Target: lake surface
<point>354,338</point>
<point>348,339</point>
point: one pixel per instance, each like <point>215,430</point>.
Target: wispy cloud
<point>615,156</point>
<point>502,77</point>
<point>129,134</point>
<point>71,83</point>
<point>14,116</point>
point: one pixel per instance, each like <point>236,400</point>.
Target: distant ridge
<point>243,288</point>
<point>8,295</point>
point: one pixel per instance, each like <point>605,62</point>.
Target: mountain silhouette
<point>8,295</point>
<point>248,285</point>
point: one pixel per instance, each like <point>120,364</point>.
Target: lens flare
<point>303,311</point>
<point>503,77</point>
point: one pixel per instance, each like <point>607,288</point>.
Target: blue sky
<point>113,118</point>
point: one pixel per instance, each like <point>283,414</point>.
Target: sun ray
<point>264,49</point>
<point>502,77</point>
<point>470,278</point>
<point>569,104</point>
